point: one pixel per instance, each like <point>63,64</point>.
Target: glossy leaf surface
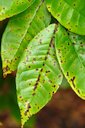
<point>9,8</point>
<point>70,49</point>
<point>19,31</point>
<point>70,13</point>
<point>38,76</point>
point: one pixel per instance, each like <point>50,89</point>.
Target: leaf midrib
<point>39,76</point>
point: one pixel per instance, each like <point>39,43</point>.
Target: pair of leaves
<point>19,31</point>
<point>40,77</point>
<point>71,47</point>
<point>39,74</point>
<point>70,13</point>
<point>9,8</point>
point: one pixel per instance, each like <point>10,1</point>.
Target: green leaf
<point>38,76</point>
<point>70,49</point>
<point>70,13</point>
<point>20,30</point>
<point>9,8</point>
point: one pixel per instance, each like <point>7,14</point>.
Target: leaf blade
<point>71,14</point>
<point>8,8</point>
<point>19,32</point>
<point>38,74</point>
<point>69,52</point>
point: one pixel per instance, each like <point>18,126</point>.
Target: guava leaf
<point>20,30</point>
<point>38,75</point>
<point>70,13</point>
<point>9,8</point>
<point>70,49</point>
